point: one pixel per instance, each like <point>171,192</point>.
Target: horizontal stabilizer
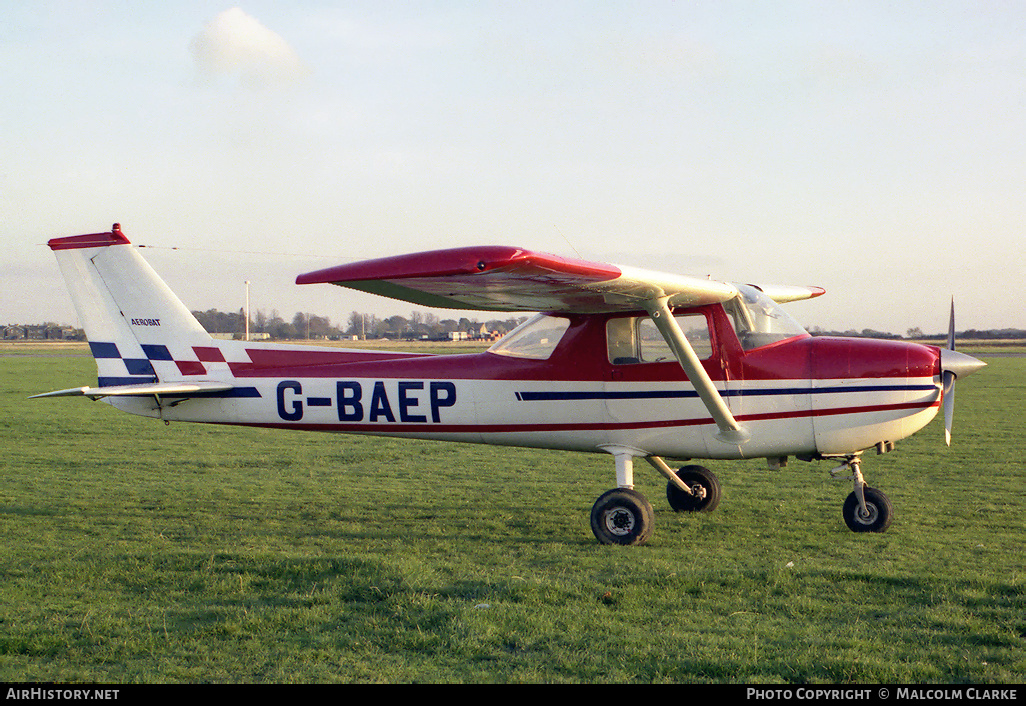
<point>170,389</point>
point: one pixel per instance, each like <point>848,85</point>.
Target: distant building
<point>41,332</point>
<point>484,334</point>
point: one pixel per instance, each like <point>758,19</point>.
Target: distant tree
<point>396,325</point>
<point>431,324</point>
<point>215,321</point>
<point>356,324</point>
<point>320,327</point>
<point>278,328</point>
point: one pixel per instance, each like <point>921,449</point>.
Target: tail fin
<point>139,332</point>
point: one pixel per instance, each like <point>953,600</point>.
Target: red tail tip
<point>94,240</point>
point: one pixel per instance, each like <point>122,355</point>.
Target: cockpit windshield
<point>535,338</point>
<point>758,320</point>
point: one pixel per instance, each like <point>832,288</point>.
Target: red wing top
<point>502,278</point>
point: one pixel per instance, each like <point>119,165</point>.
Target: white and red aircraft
<point>631,363</point>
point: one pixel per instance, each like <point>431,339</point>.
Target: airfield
<point>142,553</point>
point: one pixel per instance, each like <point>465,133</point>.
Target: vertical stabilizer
<point>136,326</point>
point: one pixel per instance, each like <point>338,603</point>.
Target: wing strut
<point>730,431</point>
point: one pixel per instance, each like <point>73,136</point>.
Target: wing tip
<point>784,294</point>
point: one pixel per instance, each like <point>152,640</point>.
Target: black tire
<point>622,516</point>
<point>694,477</point>
<point>880,512</point>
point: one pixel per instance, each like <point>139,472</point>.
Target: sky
<point>875,149</point>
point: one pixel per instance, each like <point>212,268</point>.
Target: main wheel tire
<point>880,512</point>
<point>700,479</point>
<point>622,516</point>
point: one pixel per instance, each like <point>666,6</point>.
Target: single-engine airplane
<point>623,361</point>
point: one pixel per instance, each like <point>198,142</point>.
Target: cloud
<point>235,44</point>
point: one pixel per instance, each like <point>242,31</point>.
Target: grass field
<point>138,552</point>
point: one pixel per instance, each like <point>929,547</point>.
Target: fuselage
<point>793,395</point>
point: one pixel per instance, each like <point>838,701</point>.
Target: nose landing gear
<point>865,509</point>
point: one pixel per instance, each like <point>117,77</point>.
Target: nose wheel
<point>877,515</point>
<point>865,509</point>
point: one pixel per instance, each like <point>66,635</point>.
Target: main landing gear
<point>624,516</point>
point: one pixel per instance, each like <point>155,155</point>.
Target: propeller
<point>953,365</point>
<point>949,379</point>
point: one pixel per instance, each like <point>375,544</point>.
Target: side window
<point>622,341</point>
<point>654,347</point>
<point>637,340</point>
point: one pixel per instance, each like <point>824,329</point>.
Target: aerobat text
<point>407,401</point>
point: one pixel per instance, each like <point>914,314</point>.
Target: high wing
<point>502,278</point>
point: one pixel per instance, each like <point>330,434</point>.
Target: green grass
<point>135,552</point>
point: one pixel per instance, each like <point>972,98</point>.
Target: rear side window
<point>536,338</point>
